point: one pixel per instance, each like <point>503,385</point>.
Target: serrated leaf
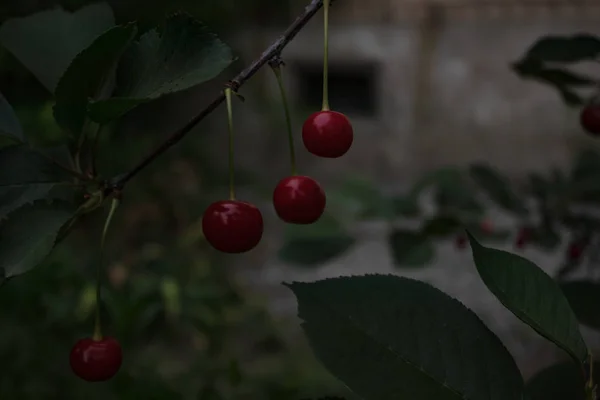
<point>566,49</point>
<point>27,236</point>
<point>315,251</point>
<point>584,296</point>
<point>390,338</point>
<point>185,55</point>
<point>9,123</point>
<point>531,295</point>
<point>87,74</point>
<point>497,188</point>
<point>560,382</point>
<point>26,176</point>
<point>47,42</point>
<point>410,249</point>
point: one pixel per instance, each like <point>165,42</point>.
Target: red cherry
<point>327,134</point>
<point>299,200</point>
<point>96,360</point>
<point>575,251</point>
<point>523,237</point>
<point>232,226</point>
<point>487,226</point>
<point>461,242</point>
<point>590,119</point>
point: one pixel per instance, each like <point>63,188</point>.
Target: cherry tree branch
<point>273,50</point>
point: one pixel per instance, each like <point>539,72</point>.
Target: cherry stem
<point>230,135</point>
<point>98,325</point>
<point>325,106</point>
<point>276,67</point>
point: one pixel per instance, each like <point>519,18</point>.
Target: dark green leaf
<point>584,298</point>
<point>87,74</point>
<point>570,97</point>
<point>540,186</point>
<point>560,382</point>
<point>326,226</point>
<point>587,164</point>
<point>26,176</point>
<point>410,249</point>
<point>368,200</point>
<point>405,206</point>
<point>391,338</point>
<point>453,193</point>
<point>47,42</point>
<point>566,49</point>
<point>497,188</point>
<point>494,234</point>
<point>185,55</point>
<point>315,251</point>
<point>9,124</point>
<point>441,226</point>
<point>546,238</point>
<point>560,78</point>
<point>531,295</point>
<point>27,236</point>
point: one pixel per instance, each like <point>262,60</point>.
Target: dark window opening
<point>352,88</point>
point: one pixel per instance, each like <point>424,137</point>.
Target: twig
<point>273,50</point>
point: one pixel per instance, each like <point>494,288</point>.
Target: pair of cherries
<point>233,226</point>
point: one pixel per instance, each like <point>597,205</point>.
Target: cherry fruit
<point>299,200</point>
<point>232,226</point>
<point>327,134</point>
<point>96,360</point>
<point>575,251</point>
<point>460,242</point>
<point>487,226</point>
<point>523,237</point>
<point>590,119</point>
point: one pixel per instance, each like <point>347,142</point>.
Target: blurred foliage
<point>188,330</point>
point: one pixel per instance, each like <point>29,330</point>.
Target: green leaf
<point>26,176</point>
<point>441,226</point>
<point>497,188</point>
<point>562,80</point>
<point>47,42</point>
<point>326,226</point>
<point>584,297</point>
<point>495,234</point>
<point>390,338</point>
<point>531,295</point>
<point>9,123</point>
<point>185,55</point>
<point>367,199</point>
<point>87,74</point>
<point>315,244</point>
<point>29,233</point>
<point>452,191</point>
<point>405,206</point>
<point>560,382</point>
<point>410,249</point>
<point>566,49</point>
<point>545,237</point>
<point>315,251</point>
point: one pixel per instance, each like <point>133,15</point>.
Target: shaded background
<point>426,86</point>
